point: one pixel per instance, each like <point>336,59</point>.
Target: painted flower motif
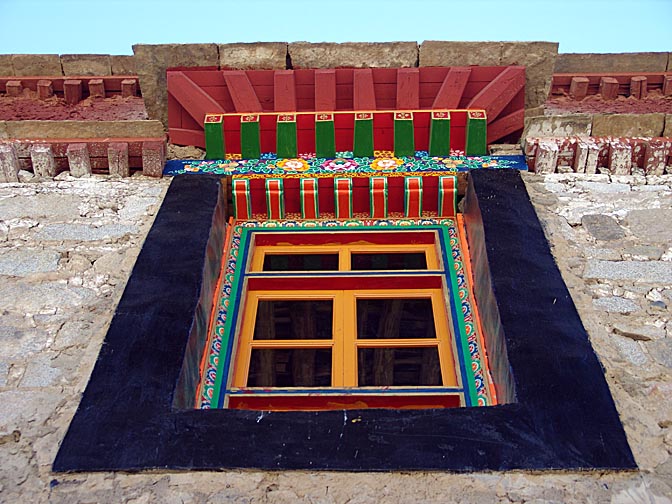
<point>339,164</point>
<point>450,163</point>
<point>268,155</point>
<point>491,164</point>
<point>383,154</point>
<point>228,166</point>
<point>233,156</point>
<point>195,169</point>
<point>307,155</point>
<point>345,154</point>
<point>456,152</point>
<point>421,154</point>
<point>294,164</point>
<point>386,163</point>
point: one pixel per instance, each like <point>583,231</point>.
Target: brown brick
<point>608,88</point>
<point>129,87</point>
<point>657,151</point>
<point>253,56</point>
<point>353,54</point>
<point>86,64</point>
<point>117,159</point>
<point>42,157</point>
<point>638,87</point>
<point>153,158</point>
<point>36,64</point>
<point>45,89</point>
<point>14,88</point>
<point>667,85</point>
<point>97,88</point>
<point>72,91</point>
<point>9,163</point>
<point>123,65</point>
<point>79,159</point>
<point>578,88</point>
<point>611,62</point>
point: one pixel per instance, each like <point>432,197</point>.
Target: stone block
<point>620,158</point>
<point>22,262</point>
<point>6,68</point>
<point>79,160</point>
<point>153,60</point>
<point>611,62</point>
<point>153,158</point>
<point>97,88</point>
<point>655,155</point>
<point>587,153</point>
<point>560,126</point>
<point>445,53</point>
<point>3,130</point>
<point>651,225</point>
<point>42,157</point>
<point>36,64</point>
<point>14,88</point>
<point>83,129</point>
<point>538,58</point>
<point>578,87</point>
<point>655,272</point>
<point>638,87</point>
<point>667,132</point>
<point>608,88</point>
<point>45,89</point>
<point>615,304</point>
<point>117,159</point>
<point>72,91</point>
<point>353,54</point>
<point>628,125</point>
<point>253,56</point>
<point>129,87</point>
<point>9,163</point>
<point>123,65</point>
<point>602,227</point>
<point>667,85</point>
<point>86,64</point>
<point>547,156</point>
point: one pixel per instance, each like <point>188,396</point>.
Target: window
<point>337,318</point>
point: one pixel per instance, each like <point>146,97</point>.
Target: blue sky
<point>112,26</point>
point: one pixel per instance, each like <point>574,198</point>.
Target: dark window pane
<point>300,262</point>
<point>395,318</point>
<point>388,261</point>
<point>380,367</point>
<point>294,320</point>
<point>290,367</point>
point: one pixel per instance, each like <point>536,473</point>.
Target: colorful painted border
<point>476,379</point>
<point>308,165</point>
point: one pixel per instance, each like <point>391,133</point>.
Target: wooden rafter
<point>408,88</point>
<point>284,91</point>
<point>193,99</point>
<point>325,90</point>
<point>451,91</point>
<point>241,90</point>
<point>364,94</point>
<point>494,97</point>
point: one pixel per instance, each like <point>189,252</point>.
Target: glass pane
<point>388,261</point>
<point>289,320</point>
<point>290,367</point>
<point>380,367</point>
<point>300,262</point>
<point>395,318</point>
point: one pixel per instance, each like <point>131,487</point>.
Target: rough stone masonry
<point>67,248</point>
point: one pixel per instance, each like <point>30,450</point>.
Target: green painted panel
<point>363,144</point>
<point>214,140</point>
<point>439,138</point>
<point>286,139</point>
<point>325,139</point>
<point>404,141</point>
<point>249,140</point>
<point>476,142</point>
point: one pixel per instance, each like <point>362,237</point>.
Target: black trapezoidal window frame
<point>562,417</point>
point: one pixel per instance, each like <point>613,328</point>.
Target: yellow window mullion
<point>449,370</point>
<point>349,339</point>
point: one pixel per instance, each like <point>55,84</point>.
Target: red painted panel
<point>273,402</point>
<point>364,94</point>
<point>325,90</point>
<point>505,125</point>
<point>408,89</point>
<point>243,95</point>
<point>187,137</point>
<point>284,91</point>
<point>265,239</point>
<point>345,282</point>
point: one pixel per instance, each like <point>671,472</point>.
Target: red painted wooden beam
<point>284,91</point>
<point>193,99</point>
<point>494,97</point>
<point>325,90</point>
<point>506,125</point>
<point>451,91</point>
<point>408,88</point>
<point>241,90</point>
<point>364,95</point>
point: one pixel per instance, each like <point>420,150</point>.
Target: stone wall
<point>617,125</point>
<point>67,249</point>
<point>614,62</point>
<point>66,64</point>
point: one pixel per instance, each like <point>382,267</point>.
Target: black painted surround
<point>561,416</point>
